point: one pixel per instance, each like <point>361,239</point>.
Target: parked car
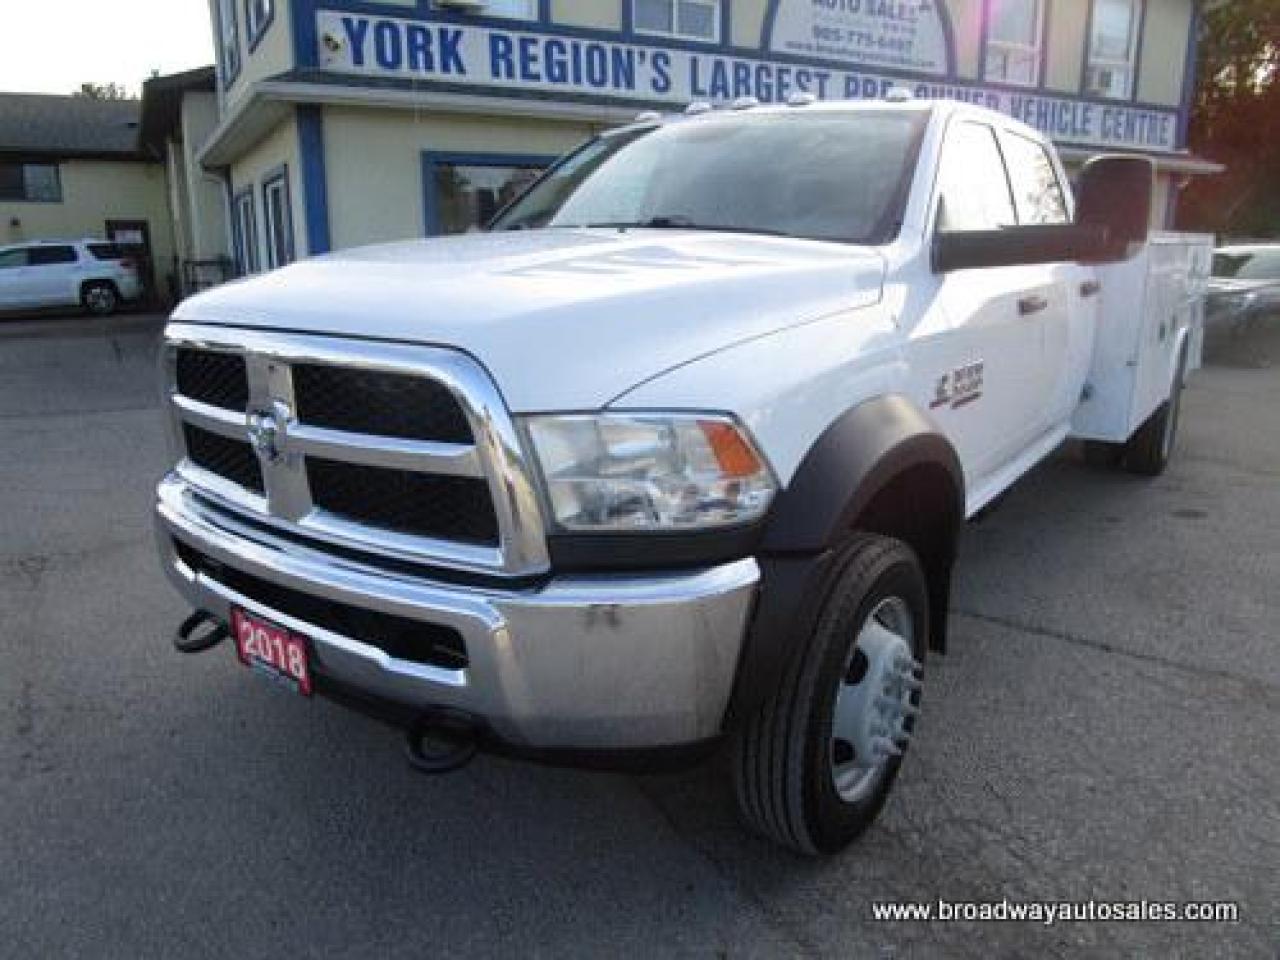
<point>678,452</point>
<point>1245,285</point>
<point>92,274</point>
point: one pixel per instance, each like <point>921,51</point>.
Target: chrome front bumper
<point>584,662</point>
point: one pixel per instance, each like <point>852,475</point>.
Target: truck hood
<point>564,319</point>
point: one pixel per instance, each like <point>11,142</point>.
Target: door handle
<point>1090,288</point>
<point>1033,304</point>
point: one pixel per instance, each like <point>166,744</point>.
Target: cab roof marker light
<point>697,107</point>
<point>745,103</point>
<point>801,99</point>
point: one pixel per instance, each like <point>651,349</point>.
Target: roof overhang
<point>266,103</point>
<point>269,101</point>
<point>162,104</point>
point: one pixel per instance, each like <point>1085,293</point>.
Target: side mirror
<point>1115,193</point>
<point>1016,246</point>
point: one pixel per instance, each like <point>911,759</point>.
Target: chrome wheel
<point>100,300</point>
<point>878,696</point>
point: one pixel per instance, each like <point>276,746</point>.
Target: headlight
<point>649,472</point>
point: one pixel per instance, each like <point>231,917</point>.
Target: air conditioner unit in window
<point>1106,81</point>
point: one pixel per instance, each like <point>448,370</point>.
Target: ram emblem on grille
<point>267,430</point>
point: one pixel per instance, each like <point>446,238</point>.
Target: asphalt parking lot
<point>1105,727</point>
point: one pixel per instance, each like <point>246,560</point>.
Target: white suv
<point>92,274</point>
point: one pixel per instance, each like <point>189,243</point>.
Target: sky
<point>53,46</point>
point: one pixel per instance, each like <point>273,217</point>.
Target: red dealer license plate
<point>272,650</point>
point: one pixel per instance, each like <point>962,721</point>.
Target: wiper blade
<point>679,222</point>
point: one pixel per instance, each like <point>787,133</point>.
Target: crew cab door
<point>1069,324</point>
<point>981,372</point>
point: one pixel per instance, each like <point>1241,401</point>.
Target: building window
<point>463,193</point>
<point>278,217</point>
<point>510,9</point>
<point>228,41</point>
<point>1015,41</point>
<point>246,227</point>
<point>258,15</point>
<point>1113,48</point>
<point>688,19</point>
<point>30,182</point>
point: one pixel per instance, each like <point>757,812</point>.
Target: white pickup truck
<point>677,452</point>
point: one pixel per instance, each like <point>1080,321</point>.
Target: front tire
<point>100,299</point>
<point>815,764</point>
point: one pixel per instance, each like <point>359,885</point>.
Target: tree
<point>103,91</point>
<point>1236,120</point>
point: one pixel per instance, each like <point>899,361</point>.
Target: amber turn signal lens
<point>735,457</point>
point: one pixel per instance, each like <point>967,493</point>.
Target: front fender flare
<point>836,490</point>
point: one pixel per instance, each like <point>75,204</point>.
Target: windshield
<point>822,176</point>
<point>1259,264</point>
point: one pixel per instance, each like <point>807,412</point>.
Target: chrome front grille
<point>400,451</point>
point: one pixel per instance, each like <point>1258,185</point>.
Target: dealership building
<point>332,123</point>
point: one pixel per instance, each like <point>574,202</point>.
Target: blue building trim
<point>315,179</point>
<point>276,175</point>
<point>1190,73</point>
<point>305,40</point>
<point>431,159</point>
<point>306,49</point>
<point>255,37</point>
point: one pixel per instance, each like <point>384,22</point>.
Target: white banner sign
<point>365,45</point>
<point>904,34</point>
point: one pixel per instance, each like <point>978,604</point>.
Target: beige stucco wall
<point>1164,51</point>
<point>746,21</point>
<point>370,203</point>
<point>1068,27</point>
<point>253,167</point>
<point>93,192</point>
<point>205,200</point>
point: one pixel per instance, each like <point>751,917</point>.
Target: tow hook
<point>441,741</point>
<point>189,638</point>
